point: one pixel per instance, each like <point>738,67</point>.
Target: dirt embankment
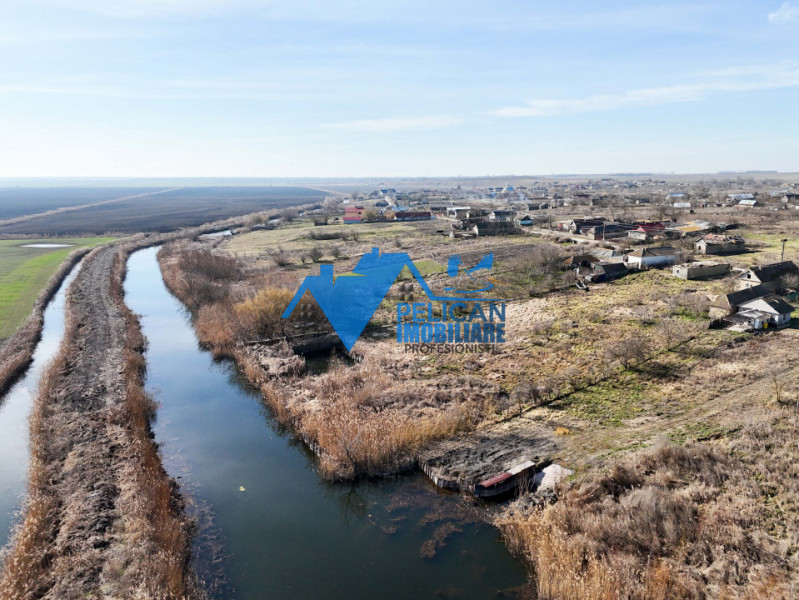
<point>16,353</point>
<point>102,517</point>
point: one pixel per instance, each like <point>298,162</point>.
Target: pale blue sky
<point>417,87</point>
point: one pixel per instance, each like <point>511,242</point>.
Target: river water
<point>276,529</point>
<point>15,408</point>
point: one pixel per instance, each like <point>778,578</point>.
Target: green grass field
<point>25,271</point>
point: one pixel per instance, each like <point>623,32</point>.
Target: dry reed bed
<point>672,522</point>
<point>102,518</point>
<point>364,420</point>
<point>16,354</point>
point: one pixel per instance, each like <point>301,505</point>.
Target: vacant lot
<point>186,207</point>
<point>24,271</point>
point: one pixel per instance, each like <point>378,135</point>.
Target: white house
<point>760,313</point>
<point>652,257</point>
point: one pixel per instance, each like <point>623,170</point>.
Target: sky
<point>346,88</point>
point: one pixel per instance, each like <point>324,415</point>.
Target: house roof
<point>578,259</point>
<point>659,251</point>
<point>774,271</point>
<point>741,296</point>
<point>778,305</point>
<point>714,238</point>
<point>611,268</point>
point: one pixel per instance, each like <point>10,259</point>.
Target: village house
<point>458,212</point>
<point>608,231</point>
<point>651,257</point>
<point>727,304</point>
<point>603,271</point>
<point>767,275</point>
<point>700,270</point>
<point>501,215</point>
<point>639,234</point>
<point>719,244</point>
<point>353,214</point>
<point>525,221</point>
<point>760,313</point>
<point>693,228</point>
<point>740,197</point>
<point>580,260</point>
<point>579,225</point>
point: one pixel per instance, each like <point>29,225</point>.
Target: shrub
<point>261,314</point>
<point>315,254</point>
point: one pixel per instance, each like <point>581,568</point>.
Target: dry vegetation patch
<point>691,521</point>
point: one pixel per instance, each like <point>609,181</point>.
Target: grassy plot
<point>24,271</point>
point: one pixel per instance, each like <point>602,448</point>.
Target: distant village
<point>617,227</point>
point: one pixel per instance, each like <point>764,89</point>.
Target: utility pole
<point>783,250</point>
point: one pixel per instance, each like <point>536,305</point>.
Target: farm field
<point>24,271</point>
<point>185,207</point>
<point>19,201</point>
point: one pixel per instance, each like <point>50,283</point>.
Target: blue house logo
<point>349,301</point>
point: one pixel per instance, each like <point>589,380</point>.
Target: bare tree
<point>672,331</point>
<point>289,213</point>
<point>627,351</point>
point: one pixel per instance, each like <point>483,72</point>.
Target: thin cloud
<point>741,79</point>
<point>787,13</point>
<point>395,124</point>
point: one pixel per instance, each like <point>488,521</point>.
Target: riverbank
<point>102,517</point>
<point>367,419</point>
<point>16,353</point>
<point>278,530</point>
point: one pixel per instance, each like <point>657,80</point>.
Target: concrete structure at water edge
<point>700,270</point>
